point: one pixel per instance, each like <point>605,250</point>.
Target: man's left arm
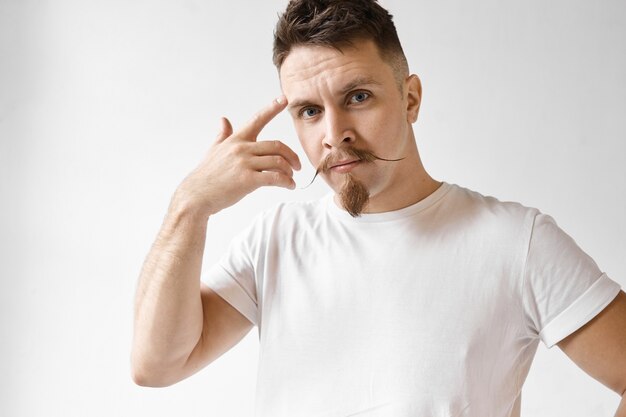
<point>599,348</point>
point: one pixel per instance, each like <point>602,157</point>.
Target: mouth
<point>344,166</point>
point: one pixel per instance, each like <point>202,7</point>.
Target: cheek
<point>310,144</point>
<point>384,128</point>
<point>395,120</point>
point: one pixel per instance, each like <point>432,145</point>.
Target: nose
<point>339,131</point>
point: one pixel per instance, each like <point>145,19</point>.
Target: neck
<point>411,191</point>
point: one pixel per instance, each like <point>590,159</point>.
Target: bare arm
<point>168,308</point>
<point>599,348</point>
<point>180,325</point>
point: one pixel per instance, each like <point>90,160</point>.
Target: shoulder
<point>277,224</point>
<point>486,211</point>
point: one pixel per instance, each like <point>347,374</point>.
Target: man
<point>399,295</point>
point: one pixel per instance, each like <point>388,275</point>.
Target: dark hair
<point>338,23</point>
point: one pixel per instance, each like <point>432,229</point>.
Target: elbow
<point>149,370</point>
<point>149,375</point>
<point>148,379</point>
<point>141,378</point>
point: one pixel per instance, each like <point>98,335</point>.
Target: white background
<point>106,106</point>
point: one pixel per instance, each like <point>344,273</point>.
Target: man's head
<point>352,100</point>
<point>337,24</point>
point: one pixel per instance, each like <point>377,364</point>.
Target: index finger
<point>252,129</point>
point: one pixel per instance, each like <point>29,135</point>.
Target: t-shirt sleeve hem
<point>227,287</point>
<point>586,307</point>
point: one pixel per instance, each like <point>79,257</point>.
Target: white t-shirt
<point>432,310</point>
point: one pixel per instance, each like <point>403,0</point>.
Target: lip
<point>345,166</point>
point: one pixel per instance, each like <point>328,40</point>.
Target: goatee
<point>353,195</point>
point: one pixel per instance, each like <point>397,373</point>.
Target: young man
<point>398,296</point>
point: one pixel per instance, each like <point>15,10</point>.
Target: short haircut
<point>337,24</point>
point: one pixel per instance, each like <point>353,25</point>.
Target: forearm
<point>168,303</point>
<point>168,308</point>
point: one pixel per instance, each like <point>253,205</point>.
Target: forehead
<point>309,66</point>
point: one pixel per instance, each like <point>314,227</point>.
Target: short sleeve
<point>563,286</point>
<point>233,277</point>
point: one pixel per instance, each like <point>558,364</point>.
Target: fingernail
<point>280,100</point>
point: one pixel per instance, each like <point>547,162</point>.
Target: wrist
<point>183,206</point>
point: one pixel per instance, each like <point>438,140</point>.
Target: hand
<point>236,164</point>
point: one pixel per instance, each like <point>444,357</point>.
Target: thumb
<point>226,130</point>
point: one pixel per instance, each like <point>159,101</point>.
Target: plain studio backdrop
<point>106,106</point>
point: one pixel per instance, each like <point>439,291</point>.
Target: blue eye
<point>309,112</point>
<point>359,97</point>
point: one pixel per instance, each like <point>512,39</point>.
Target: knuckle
<point>266,180</point>
<point>233,150</point>
<point>285,166</point>
<point>237,159</point>
<point>238,154</point>
<point>237,148</point>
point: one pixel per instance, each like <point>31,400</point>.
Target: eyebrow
<point>358,82</point>
<point>353,84</point>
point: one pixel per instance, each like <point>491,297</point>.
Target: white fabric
<point>432,310</point>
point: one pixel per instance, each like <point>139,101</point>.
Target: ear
<point>413,93</point>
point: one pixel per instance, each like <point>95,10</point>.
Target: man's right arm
<point>181,325</point>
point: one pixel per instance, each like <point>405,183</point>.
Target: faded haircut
<point>338,24</point>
